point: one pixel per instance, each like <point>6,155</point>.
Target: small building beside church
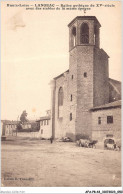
<point>45,127</point>
<point>85,101</point>
<point>106,120</point>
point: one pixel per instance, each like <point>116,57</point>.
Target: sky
<point>35,49</point>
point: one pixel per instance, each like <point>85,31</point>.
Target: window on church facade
<point>70,116</point>
<point>109,119</point>
<point>60,97</point>
<point>96,36</point>
<point>71,97</point>
<point>74,36</point>
<point>72,77</point>
<point>84,34</point>
<point>47,122</point>
<point>99,120</point>
<point>85,74</point>
<point>41,131</point>
<point>60,102</point>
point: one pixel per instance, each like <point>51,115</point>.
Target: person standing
<point>51,139</point>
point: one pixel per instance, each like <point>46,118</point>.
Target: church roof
<point>84,18</point>
<point>115,104</point>
<point>116,85</point>
<point>61,74</point>
<point>114,88</point>
<point>104,52</point>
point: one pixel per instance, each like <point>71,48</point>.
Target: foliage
<point>23,117</point>
<point>19,126</point>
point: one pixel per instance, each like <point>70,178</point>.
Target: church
<point>86,103</point>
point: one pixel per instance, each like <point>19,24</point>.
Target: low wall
<point>29,134</point>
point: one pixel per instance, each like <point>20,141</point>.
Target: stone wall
<point>99,131</point>
<point>87,81</point>
<point>114,90</point>
<point>84,89</point>
<point>100,77</point>
<point>28,134</point>
<point>62,123</point>
<point>73,90</point>
<point>45,130</point>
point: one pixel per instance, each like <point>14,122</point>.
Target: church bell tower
<point>88,72</point>
<point>84,30</point>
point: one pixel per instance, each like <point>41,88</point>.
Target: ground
<point>38,163</point>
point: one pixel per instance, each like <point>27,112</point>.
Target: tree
<point>23,116</point>
<point>19,126</point>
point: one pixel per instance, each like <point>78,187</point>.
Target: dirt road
<point>37,163</point>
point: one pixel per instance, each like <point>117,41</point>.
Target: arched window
<point>96,36</point>
<point>71,97</point>
<point>60,97</point>
<point>74,35</point>
<point>84,34</point>
<point>95,32</point>
<point>70,116</point>
<point>60,102</point>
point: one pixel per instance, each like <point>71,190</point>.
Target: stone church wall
<point>101,76</point>
<point>85,85</point>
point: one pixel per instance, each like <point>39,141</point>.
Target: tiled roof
<point>44,118</point>
<point>6,122</point>
<point>116,85</point>
<point>114,104</point>
<point>84,18</point>
<point>61,74</point>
